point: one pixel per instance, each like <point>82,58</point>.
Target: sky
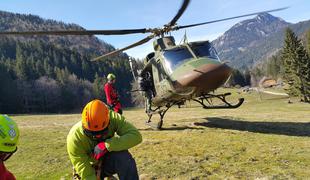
<point>128,14</point>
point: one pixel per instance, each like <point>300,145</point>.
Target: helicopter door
<point>157,77</point>
<point>162,85</point>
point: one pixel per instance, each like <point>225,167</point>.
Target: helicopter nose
<point>207,77</point>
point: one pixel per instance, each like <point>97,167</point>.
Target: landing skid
<point>208,98</point>
<point>161,111</point>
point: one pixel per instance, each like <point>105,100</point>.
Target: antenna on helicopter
<point>184,39</point>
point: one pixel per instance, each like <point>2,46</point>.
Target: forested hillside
<point>52,73</point>
<point>21,22</point>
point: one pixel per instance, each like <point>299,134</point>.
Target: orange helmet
<point>95,116</point>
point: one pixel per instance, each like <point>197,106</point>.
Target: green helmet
<point>111,76</point>
<point>9,134</point>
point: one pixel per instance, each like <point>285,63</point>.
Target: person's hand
<point>99,151</point>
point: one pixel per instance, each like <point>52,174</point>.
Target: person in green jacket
<point>98,145</point>
<point>9,135</point>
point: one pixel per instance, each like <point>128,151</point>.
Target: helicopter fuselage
<point>184,72</point>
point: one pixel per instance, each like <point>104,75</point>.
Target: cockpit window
<point>176,57</point>
<point>205,50</point>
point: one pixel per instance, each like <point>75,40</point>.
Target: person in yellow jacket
<point>9,135</point>
<point>102,139</point>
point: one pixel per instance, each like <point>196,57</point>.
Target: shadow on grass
<point>174,128</point>
<point>281,128</point>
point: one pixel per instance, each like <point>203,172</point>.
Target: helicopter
<point>172,74</point>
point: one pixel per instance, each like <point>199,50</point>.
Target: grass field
<point>263,139</point>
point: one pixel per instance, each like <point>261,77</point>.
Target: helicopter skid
<point>207,97</point>
<point>161,113</point>
<point>155,112</point>
<point>222,97</point>
<point>154,126</point>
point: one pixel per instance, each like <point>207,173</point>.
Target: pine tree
<point>21,66</point>
<point>305,70</point>
<point>289,57</point>
<point>10,96</point>
<point>274,67</point>
<point>87,72</point>
<point>308,42</point>
<point>98,87</point>
<point>296,64</point>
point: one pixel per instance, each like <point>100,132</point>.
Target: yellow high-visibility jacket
<point>122,136</point>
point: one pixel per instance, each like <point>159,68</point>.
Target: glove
<point>99,151</point>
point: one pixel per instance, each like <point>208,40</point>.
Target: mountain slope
<point>245,33</point>
<point>251,41</point>
<point>271,45</point>
<point>21,22</point>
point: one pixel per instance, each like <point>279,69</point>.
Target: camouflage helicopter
<point>172,74</point>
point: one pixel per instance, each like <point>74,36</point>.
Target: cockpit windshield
<point>176,57</point>
<point>204,49</point>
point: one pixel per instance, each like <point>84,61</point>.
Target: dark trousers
<point>120,163</point>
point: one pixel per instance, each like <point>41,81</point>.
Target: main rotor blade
<point>180,12</point>
<point>125,48</point>
<point>225,19</point>
<point>77,32</point>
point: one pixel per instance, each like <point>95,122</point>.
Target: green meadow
<point>263,139</point>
